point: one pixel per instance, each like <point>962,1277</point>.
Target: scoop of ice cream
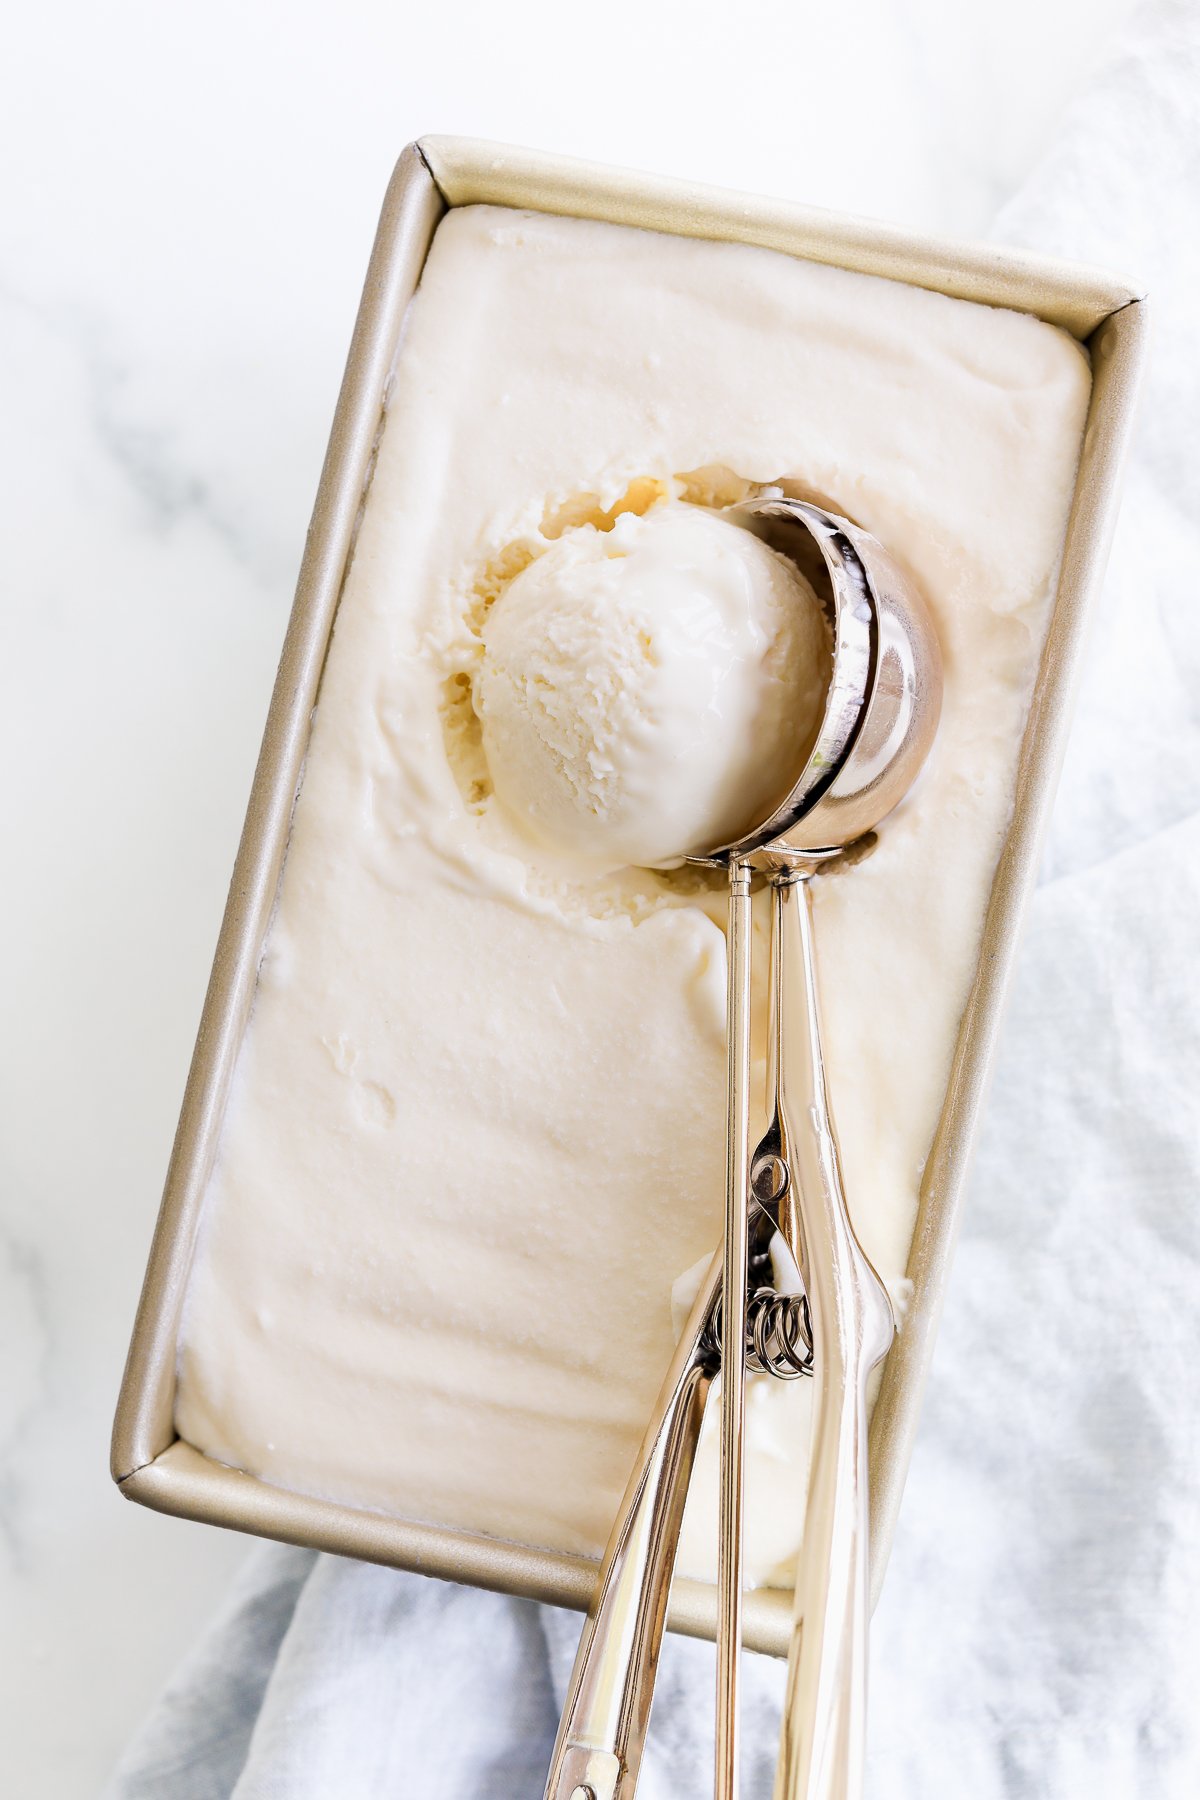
<point>648,692</point>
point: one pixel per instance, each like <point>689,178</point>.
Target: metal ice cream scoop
<point>879,722</point>
<point>880,719</point>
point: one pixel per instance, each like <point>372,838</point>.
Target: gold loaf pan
<point>151,1464</point>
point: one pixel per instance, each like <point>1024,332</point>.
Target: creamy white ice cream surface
<point>475,1137</point>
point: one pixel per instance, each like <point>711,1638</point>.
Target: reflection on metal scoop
<point>879,722</point>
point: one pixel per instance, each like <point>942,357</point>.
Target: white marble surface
<point>189,202</point>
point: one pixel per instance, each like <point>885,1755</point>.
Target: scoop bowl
<point>885,692</point>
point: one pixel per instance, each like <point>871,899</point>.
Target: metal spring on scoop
<point>778,1334</point>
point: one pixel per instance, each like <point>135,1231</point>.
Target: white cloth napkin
<point>1040,1630</point>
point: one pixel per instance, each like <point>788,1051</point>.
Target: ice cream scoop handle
<point>824,1722</point>
<point>821,1753</point>
<point>599,1746</point>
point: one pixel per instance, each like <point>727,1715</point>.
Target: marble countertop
<point>189,207</point>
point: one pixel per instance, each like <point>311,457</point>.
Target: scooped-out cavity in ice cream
<point>648,692</point>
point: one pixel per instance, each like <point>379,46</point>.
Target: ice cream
<point>648,692</point>
<point>475,1135</point>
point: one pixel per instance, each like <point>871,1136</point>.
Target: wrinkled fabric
<point>329,1678</point>
<point>1039,1634</point>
